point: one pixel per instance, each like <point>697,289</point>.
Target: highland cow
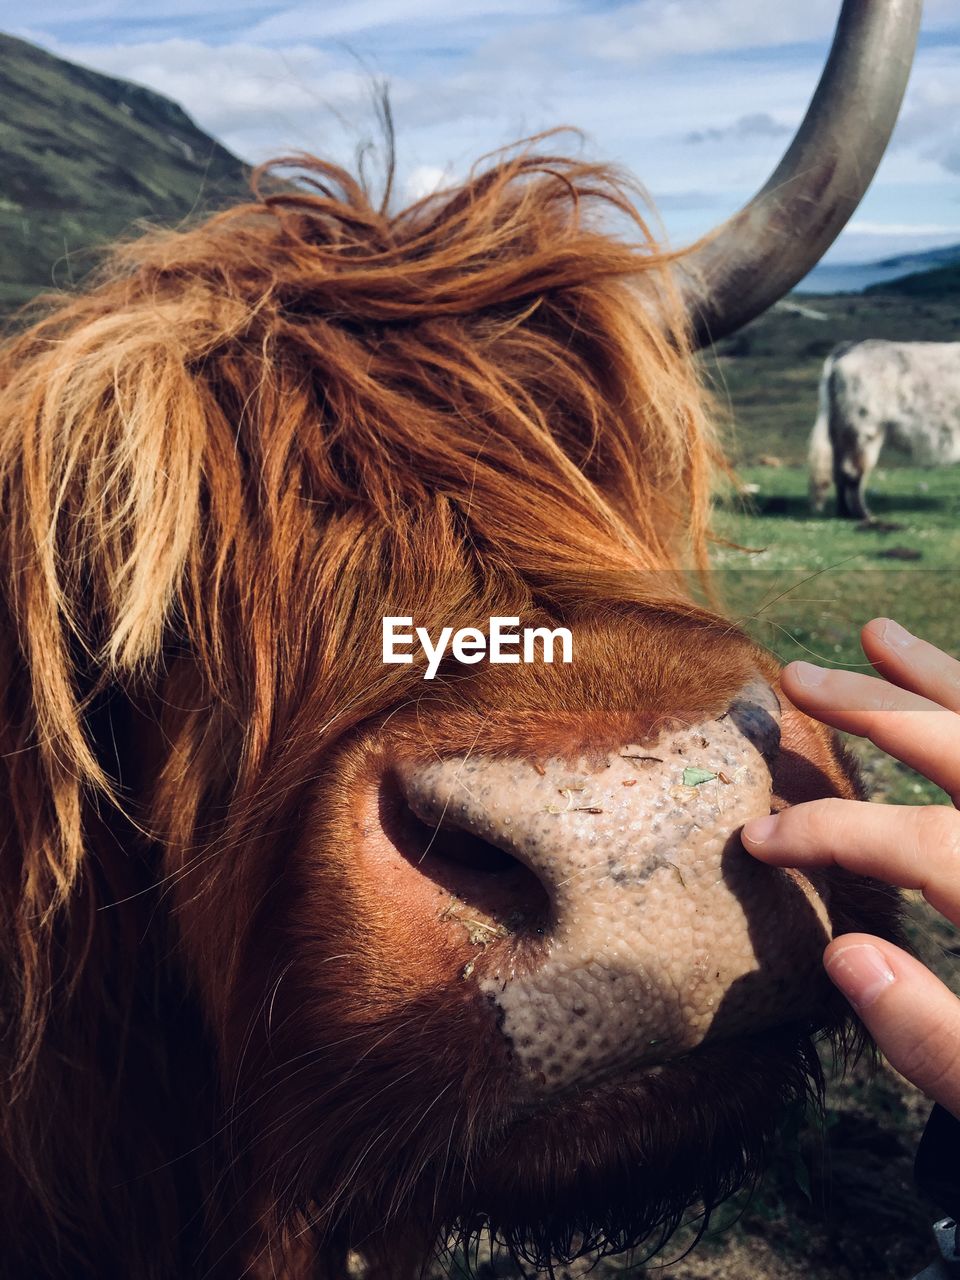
<point>301,953</point>
<point>874,393</point>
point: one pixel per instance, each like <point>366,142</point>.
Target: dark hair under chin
<point>618,1167</point>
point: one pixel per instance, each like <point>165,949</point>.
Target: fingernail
<point>861,973</point>
<point>758,830</point>
<point>894,635</point>
<point>808,675</point>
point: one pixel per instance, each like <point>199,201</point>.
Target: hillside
<point>83,156</point>
<point>854,277</point>
<point>924,284</point>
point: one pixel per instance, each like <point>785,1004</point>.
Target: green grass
<point>841,1203</point>
<point>925,503</point>
<point>813,581</point>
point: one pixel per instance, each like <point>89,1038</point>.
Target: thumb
<point>912,1015</point>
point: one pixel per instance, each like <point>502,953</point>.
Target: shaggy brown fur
<point>220,467</point>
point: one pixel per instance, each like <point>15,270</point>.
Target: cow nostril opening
<point>467,850</point>
<point>471,868</point>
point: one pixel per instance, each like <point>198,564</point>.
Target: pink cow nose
<point>661,931</point>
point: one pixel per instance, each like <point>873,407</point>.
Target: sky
<point>698,98</point>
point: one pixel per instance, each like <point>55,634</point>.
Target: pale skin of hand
<point>912,712</point>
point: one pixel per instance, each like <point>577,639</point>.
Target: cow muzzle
<point>617,922</point>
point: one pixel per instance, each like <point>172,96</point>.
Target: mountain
<point>83,156</point>
<point>855,277</point>
<point>924,284</point>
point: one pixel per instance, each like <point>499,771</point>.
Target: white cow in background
<point>907,393</point>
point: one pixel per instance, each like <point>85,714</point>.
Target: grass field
<point>840,1205</point>
<point>812,581</point>
<point>85,157</point>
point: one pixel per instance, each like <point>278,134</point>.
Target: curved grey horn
<point>760,253</point>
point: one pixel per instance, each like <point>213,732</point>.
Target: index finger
<point>915,847</point>
<point>906,660</point>
<point>914,729</point>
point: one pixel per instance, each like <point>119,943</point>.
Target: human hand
<point>913,713</point>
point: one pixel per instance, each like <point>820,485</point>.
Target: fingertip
<point>844,940</point>
<point>758,831</point>
<point>804,675</point>
<point>873,630</point>
<point>888,632</point>
<point>859,969</point>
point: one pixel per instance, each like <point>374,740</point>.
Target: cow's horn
<point>760,253</point>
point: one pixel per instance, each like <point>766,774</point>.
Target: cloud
<point>653,29</point>
<point>694,198</point>
<point>258,101</point>
<point>661,27</point>
<point>760,124</point>
<point>929,125</point>
<point>864,227</point>
<point>360,17</point>
<point>728,78</point>
<point>425,179</point>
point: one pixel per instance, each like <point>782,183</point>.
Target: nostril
<point>452,844</point>
<point>473,869</point>
<point>756,713</point>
